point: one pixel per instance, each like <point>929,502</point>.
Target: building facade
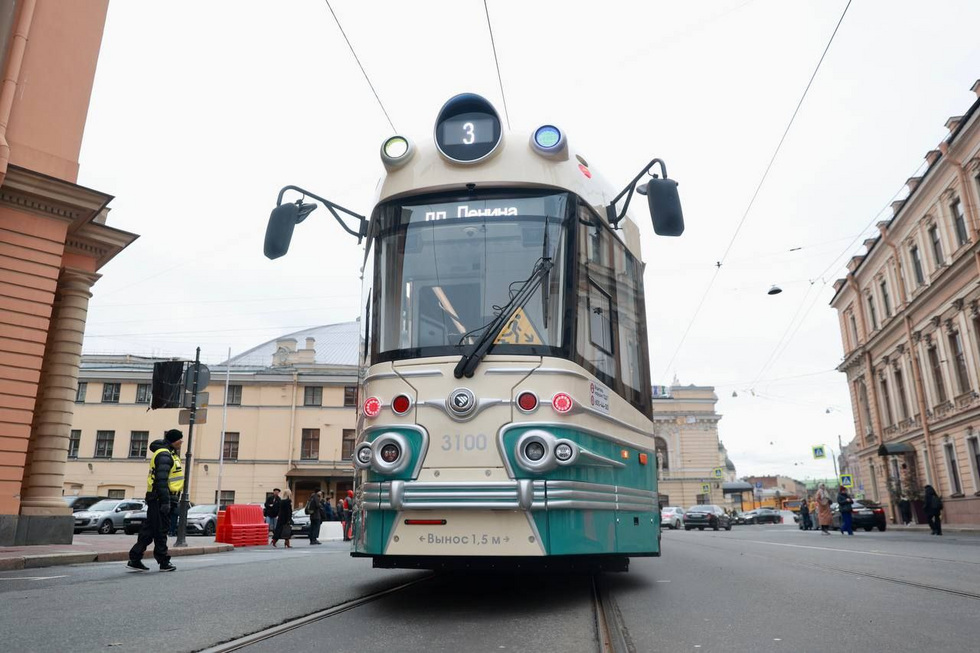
<point>53,242</point>
<point>291,413</point>
<point>685,427</point>
<point>909,311</point>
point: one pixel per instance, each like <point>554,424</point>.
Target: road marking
<point>35,577</point>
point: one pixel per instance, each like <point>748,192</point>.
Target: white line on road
<point>35,577</point>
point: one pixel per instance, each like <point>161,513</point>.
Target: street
<point>756,588</point>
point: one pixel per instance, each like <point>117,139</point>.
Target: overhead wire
<point>758,188</point>
<point>496,62</point>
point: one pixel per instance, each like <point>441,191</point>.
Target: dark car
<point>764,516</point>
<point>80,503</point>
<point>865,514</point>
<point>134,521</point>
<point>706,516</point>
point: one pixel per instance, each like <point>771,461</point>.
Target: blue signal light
<point>547,137</point>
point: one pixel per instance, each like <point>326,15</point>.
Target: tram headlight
<point>364,455</point>
<point>548,140</point>
<point>390,453</point>
<point>396,152</point>
<point>534,450</point>
<point>564,452</point>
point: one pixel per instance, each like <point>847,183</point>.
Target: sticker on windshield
<point>519,331</point>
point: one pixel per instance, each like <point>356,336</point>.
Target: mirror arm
<point>333,208</point>
<point>611,214</point>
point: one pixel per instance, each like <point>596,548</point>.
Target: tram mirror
<point>279,231</point>
<point>665,207</point>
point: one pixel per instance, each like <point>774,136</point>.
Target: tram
<point>504,412</point>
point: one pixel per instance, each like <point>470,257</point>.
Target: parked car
<point>865,514</point>
<point>301,522</point>
<point>134,520</point>
<point>106,516</point>
<point>710,516</point>
<point>671,517</point>
<point>763,516</point>
<point>740,517</point>
<point>202,520</point>
<point>79,503</point>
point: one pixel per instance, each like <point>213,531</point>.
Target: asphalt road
<point>757,588</point>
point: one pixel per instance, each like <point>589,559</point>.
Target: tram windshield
<point>445,267</point>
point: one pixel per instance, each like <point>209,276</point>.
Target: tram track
<point>612,635</point>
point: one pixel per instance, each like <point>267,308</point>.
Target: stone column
<point>45,474</point>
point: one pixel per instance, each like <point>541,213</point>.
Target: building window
<point>143,393</point>
<point>937,246</point>
<point>234,395</point>
<point>962,376</point>
<point>227,498</point>
<point>937,375</point>
<point>865,407</point>
<point>137,443</point>
<point>110,393</point>
<point>973,447</point>
<point>886,299</point>
<point>886,418</point>
<point>231,446</point>
<point>955,486</point>
<point>872,313</point>
<point>73,441</point>
<point>350,396</point>
<point>313,395</point>
<point>874,481</point>
<point>903,407</point>
<point>310,447</point>
<point>917,265</point>
<point>80,393</point>
<point>347,444</point>
<point>854,329</point>
<point>960,221</point>
<point>116,494</point>
<point>103,443</point>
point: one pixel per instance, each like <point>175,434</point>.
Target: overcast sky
<point>202,111</point>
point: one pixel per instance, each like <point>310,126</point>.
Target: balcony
<point>966,400</point>
<point>942,410</point>
<point>891,429</point>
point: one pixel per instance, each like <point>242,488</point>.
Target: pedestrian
<point>805,522</point>
<point>271,509</point>
<point>349,516</point>
<point>933,506</point>
<point>823,508</point>
<point>844,504</point>
<point>164,483</point>
<point>315,511</point>
<point>905,509</point>
<point>327,508</point>
<point>284,520</point>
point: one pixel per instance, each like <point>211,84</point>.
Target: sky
<point>201,112</point>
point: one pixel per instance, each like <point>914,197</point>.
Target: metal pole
<point>185,497</point>
<point>833,457</point>
<point>224,423</point>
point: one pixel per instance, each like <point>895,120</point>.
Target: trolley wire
<point>758,188</point>
<point>496,62</point>
<point>364,72</point>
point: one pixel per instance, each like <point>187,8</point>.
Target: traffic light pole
<point>185,496</point>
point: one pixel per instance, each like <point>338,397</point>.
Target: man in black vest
<point>163,485</point>
<point>272,509</point>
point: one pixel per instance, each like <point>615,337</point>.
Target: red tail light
<point>401,404</point>
<point>878,511</point>
<point>527,402</point>
<point>372,407</point>
<point>562,402</point>
<point>425,522</point>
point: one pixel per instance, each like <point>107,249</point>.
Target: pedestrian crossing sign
<point>519,331</point>
<point>818,451</point>
<point>847,480</point>
<point>717,472</point>
<point>706,488</point>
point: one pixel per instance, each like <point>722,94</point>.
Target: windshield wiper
<point>468,362</point>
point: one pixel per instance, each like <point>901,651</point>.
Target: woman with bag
<point>823,509</point>
<point>284,524</point>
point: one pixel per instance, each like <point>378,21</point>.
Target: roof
<point>335,344</point>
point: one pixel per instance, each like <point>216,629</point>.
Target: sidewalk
<point>947,528</point>
<point>94,548</point>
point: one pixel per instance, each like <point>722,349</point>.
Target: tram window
<point>600,319</point>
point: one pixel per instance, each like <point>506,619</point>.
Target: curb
<point>55,559</point>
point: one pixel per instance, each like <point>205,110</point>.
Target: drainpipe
<point>867,353</point>
<point>11,74</point>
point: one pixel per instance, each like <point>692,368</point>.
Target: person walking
<point>164,483</point>
<point>844,504</point>
<point>805,523</point>
<point>823,508</point>
<point>284,520</point>
<point>348,516</point>
<point>905,509</point>
<point>933,507</point>
<point>271,509</point>
<point>315,511</point>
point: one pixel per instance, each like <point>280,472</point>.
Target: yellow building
<point>685,425</point>
<point>290,422</point>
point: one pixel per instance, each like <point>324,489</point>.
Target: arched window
<point>663,462</point>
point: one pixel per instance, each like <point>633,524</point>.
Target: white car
<point>106,516</point>
<point>671,517</point>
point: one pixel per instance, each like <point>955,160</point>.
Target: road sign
<point>184,417</point>
<point>706,488</point>
<point>202,399</point>
<point>758,485</point>
<point>203,377</point>
<point>818,451</point>
<point>847,480</point>
<point>718,472</point>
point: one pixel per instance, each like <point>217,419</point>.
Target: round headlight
<point>390,453</point>
<point>547,136</point>
<point>364,455</point>
<point>563,451</point>
<point>534,450</point>
<point>395,147</point>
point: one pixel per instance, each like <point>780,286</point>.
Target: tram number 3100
<point>468,442</point>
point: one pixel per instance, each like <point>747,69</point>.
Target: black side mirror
<point>279,231</point>
<point>665,207</point>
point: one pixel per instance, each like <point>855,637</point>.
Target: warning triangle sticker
<point>519,331</point>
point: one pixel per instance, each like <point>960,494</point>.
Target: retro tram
<point>504,412</point>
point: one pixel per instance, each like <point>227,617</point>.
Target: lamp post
<point>184,497</point>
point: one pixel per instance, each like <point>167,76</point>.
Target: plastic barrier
<point>242,525</point>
